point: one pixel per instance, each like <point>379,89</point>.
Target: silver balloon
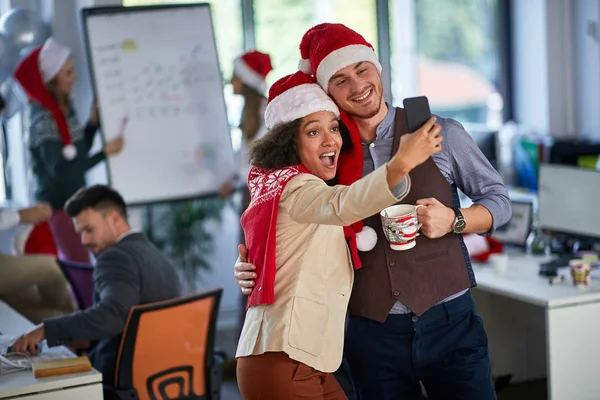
<point>24,28</point>
<point>14,97</point>
<point>9,57</point>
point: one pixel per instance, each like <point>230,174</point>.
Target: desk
<point>22,385</point>
<point>538,330</point>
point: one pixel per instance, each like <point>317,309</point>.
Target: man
<point>129,271</point>
<point>34,285</point>
<point>411,315</point>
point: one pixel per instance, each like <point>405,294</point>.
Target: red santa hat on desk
<point>252,68</point>
<point>34,73</point>
<point>325,49</point>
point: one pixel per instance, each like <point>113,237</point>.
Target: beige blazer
<point>314,270</point>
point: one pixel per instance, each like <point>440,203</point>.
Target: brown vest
<point>422,276</point>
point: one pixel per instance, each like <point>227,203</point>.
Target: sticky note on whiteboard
<point>129,45</point>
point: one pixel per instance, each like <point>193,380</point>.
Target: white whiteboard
<point>158,67</point>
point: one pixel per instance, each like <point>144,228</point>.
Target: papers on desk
<point>13,362</point>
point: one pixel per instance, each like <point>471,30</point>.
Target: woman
<point>250,72</point>
<point>293,334</point>
<point>58,144</point>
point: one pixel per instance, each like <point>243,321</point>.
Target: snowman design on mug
<point>401,230</point>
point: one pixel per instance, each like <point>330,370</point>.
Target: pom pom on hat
<point>252,68</point>
<point>366,239</point>
<point>296,96</point>
<point>331,47</point>
<point>69,152</point>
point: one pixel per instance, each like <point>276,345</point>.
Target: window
<point>449,51</point>
<point>15,173</point>
<point>280,24</point>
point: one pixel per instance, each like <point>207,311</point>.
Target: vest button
<point>392,263</point>
<point>396,293</point>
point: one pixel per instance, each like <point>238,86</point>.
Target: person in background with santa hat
<point>250,72</point>
<point>293,334</point>
<point>411,318</point>
<point>58,144</point>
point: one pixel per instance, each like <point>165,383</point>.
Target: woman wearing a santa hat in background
<point>58,144</point>
<point>250,71</point>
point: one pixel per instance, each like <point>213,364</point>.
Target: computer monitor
<point>568,152</point>
<point>569,200</point>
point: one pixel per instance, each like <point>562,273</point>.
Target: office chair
<point>81,278</point>
<point>167,350</point>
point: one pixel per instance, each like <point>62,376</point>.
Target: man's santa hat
<point>34,73</point>
<point>252,68</point>
<point>325,49</point>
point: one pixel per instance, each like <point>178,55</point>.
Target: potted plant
<point>182,231</point>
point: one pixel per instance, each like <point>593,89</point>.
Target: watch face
<point>460,226</point>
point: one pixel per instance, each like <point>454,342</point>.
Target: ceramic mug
<point>401,226</point>
<point>580,272</point>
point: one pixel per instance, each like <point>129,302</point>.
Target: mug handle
<point>416,208</point>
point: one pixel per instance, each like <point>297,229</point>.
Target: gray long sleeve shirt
<point>462,164</point>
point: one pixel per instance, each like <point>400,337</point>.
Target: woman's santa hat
<point>252,68</point>
<point>34,73</point>
<point>327,48</point>
<point>296,96</point>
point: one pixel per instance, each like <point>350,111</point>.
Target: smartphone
<point>417,112</point>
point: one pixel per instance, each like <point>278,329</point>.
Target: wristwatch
<point>459,223</point>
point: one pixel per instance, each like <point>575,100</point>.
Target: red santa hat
<point>327,48</point>
<point>252,68</point>
<point>34,72</point>
<point>296,96</point>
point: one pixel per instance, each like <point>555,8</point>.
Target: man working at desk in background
<point>412,317</point>
<point>129,271</point>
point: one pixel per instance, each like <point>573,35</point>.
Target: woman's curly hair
<point>279,147</point>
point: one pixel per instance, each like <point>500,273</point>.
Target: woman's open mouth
<point>328,159</point>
